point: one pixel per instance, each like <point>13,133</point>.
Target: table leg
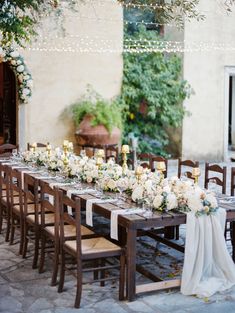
<point>131,263</point>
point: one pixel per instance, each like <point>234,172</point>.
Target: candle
<point>125,149</point>
<point>48,146</point>
<point>31,149</point>
<point>66,142</point>
<point>161,166</point>
<point>196,172</point>
<point>100,153</point>
<point>99,161</point>
<point>139,170</point>
<point>70,145</point>
<point>34,145</point>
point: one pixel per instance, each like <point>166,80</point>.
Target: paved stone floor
<point>23,289</point>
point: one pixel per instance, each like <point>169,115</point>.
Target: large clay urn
<point>87,134</point>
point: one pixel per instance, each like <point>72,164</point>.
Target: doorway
<point>8,120</point>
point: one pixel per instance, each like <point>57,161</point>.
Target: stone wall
<point>205,130</point>
<point>61,77</point>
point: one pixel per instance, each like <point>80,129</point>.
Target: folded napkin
<point>89,205</point>
<point>56,184</point>
<point>114,219</point>
<point>71,192</point>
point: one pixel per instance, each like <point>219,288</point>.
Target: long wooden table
<point>137,222</point>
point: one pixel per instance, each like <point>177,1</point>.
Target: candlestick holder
<point>196,174</point>
<point>138,173</point>
<point>125,151</point>
<point>161,167</point>
<point>48,149</point>
<point>99,162</point>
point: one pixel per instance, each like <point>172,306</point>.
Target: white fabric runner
<point>71,192</point>
<point>56,184</point>
<point>208,267</point>
<point>89,205</point>
<point>114,219</point>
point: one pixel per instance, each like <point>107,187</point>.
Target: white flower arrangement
<point>17,64</point>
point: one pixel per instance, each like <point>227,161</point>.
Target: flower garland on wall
<point>17,64</point>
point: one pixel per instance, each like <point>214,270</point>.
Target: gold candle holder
<point>48,149</point>
<point>34,146</point>
<point>138,172</point>
<point>100,153</point>
<point>70,146</point>
<point>65,147</point>
<point>125,151</point>
<point>161,167</point>
<point>99,162</point>
<point>195,174</point>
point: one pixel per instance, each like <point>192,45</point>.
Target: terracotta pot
<point>87,134</point>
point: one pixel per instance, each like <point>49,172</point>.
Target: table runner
<point>208,267</point>
<point>71,192</point>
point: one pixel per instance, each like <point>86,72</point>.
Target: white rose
<point>194,202</point>
<point>13,62</point>
<point>167,189</point>
<point>20,68</point>
<point>14,54</point>
<point>157,201</point>
<point>60,163</point>
<point>171,201</point>
<point>213,202</point>
<point>111,184</point>
<point>89,179</point>
<point>137,193</point>
<point>148,185</point>
<point>19,62</point>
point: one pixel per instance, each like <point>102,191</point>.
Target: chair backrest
<point>31,195</point>
<point>65,218</point>
<point>144,159</point>
<point>49,204</point>
<point>158,158</point>
<point>6,149</point>
<point>215,168</point>
<point>39,145</point>
<point>4,181</point>
<point>112,152</point>
<point>232,180</point>
<point>15,187</point>
<point>189,164</point>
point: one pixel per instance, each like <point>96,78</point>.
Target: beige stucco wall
<point>205,130</point>
<point>61,77</point>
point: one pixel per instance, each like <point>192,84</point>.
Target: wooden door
<point>7,104</point>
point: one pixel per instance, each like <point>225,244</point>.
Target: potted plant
<point>98,121</point>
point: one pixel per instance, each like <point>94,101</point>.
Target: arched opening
<point>8,110</point>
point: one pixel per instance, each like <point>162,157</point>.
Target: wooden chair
<point>16,205</point>
<point>215,168</point>
<point>49,228</point>
<point>144,159</point>
<point>6,150</point>
<point>158,158</point>
<point>39,145</point>
<point>31,216</point>
<point>4,199</point>
<point>112,152</point>
<point>86,250</point>
<point>189,164</point>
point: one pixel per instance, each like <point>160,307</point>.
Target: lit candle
<point>125,149</point>
<point>161,166</point>
<point>196,172</point>
<point>66,142</point>
<point>100,153</point>
<point>139,170</point>
<point>34,145</point>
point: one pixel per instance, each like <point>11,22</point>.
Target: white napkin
<point>89,205</point>
<point>56,184</point>
<point>208,266</point>
<point>114,219</point>
<point>71,192</point>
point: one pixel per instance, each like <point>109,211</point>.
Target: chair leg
<point>102,272</point>
<point>1,217</point>
<point>21,237</point>
<point>42,255</point>
<point>7,237</point>
<point>25,241</point>
<point>79,285</point>
<point>96,272</point>
<point>12,231</point>
<point>62,271</point>
<point>55,264</point>
<point>122,278</point>
<point>36,248</point>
